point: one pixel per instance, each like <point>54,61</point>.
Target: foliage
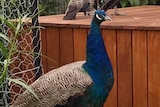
<point>48,6</point>
<point>23,84</point>
<point>125,3</point>
<point>51,7</point>
<point>8,50</point>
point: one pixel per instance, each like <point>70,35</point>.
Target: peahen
<point>78,84</point>
<point>74,6</point>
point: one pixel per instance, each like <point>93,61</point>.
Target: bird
<point>109,4</point>
<point>75,6</point>
<point>85,83</point>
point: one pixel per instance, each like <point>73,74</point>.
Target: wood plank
<point>53,54</point>
<point>80,39</point>
<point>138,17</point>
<point>124,67</point>
<point>139,47</point>
<point>109,37</point>
<point>153,68</point>
<point>66,45</point>
<point>44,49</point>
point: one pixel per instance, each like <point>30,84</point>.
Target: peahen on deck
<point>78,84</point>
<point>74,6</point>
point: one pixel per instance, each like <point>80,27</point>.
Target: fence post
<point>36,39</point>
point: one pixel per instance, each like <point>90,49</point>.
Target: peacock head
<point>100,16</point>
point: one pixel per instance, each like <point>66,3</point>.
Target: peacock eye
<point>98,17</point>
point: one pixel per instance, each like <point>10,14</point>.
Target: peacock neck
<point>96,51</point>
<point>95,26</point>
<point>98,64</point>
<point>97,61</point>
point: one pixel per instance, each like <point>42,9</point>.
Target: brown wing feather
<point>55,87</point>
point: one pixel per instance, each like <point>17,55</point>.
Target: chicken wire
<point>26,62</point>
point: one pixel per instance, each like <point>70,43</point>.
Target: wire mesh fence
<point>26,61</point>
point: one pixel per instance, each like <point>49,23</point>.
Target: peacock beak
<point>108,18</point>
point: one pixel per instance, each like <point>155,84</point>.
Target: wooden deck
<point>140,17</point>
<point>133,44</point>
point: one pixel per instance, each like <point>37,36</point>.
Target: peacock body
<point>79,84</point>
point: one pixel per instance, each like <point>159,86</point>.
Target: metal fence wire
<point>26,62</point>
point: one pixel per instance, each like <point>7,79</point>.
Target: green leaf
<point>4,37</point>
<point>3,49</point>
<point>23,84</point>
<point>20,23</point>
<point>131,2</point>
<point>153,1</point>
<point>123,3</point>
<point>18,27</point>
<point>10,24</point>
<point>23,18</point>
<point>3,75</point>
<point>136,3</point>
<point>144,2</point>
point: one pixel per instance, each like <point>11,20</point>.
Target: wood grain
<point>53,47</point>
<point>139,47</point>
<point>124,67</point>
<point>80,39</point>
<point>153,68</point>
<point>66,45</point>
<point>44,49</point>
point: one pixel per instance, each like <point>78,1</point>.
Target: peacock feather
<point>78,84</point>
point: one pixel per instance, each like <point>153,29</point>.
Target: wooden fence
<point>133,45</point>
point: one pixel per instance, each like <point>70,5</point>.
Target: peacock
<point>78,84</point>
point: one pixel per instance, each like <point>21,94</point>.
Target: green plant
<point>52,7</point>
<point>125,3</point>
<point>49,7</point>
<point>8,46</point>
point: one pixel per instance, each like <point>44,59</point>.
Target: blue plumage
<point>98,64</point>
